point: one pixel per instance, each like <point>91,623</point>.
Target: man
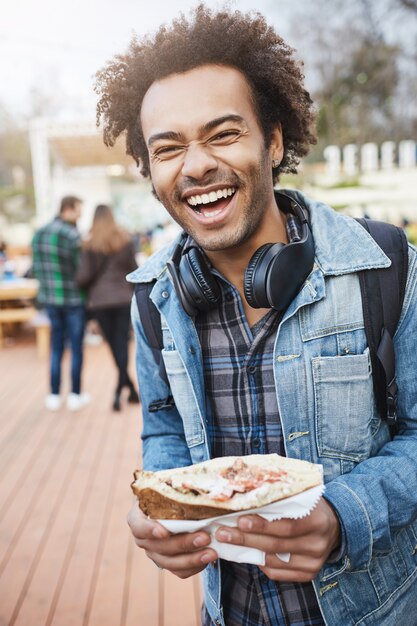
<point>56,249</point>
<point>214,110</point>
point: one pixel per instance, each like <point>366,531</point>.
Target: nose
<point>198,161</point>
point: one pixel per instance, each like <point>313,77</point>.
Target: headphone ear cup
<point>255,280</point>
<point>249,279</point>
<point>198,280</point>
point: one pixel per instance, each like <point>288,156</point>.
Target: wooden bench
<point>26,314</point>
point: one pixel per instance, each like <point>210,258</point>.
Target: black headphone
<point>273,277</point>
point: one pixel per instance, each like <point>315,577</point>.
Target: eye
<point>226,135</point>
<point>165,152</point>
<point>167,149</point>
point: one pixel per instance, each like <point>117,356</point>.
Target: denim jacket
<point>325,396</point>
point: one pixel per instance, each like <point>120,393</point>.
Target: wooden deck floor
<point>66,553</point>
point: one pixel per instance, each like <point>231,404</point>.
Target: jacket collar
<point>342,245</point>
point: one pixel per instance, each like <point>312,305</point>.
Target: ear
<point>276,148</point>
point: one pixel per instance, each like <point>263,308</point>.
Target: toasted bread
<point>222,485</point>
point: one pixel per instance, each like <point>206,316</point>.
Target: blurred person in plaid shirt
<point>56,252</point>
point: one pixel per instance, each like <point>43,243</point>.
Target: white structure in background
<point>380,181</point>
<point>71,159</point>
<point>332,156</point>
<point>371,159</point>
<point>388,155</point>
<point>407,154</point>
<point>350,159</point>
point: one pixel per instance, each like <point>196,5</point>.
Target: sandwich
<point>223,485</point>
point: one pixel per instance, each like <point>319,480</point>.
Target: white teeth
<point>212,196</point>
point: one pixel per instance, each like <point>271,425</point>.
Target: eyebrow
<point>221,120</point>
<point>173,136</point>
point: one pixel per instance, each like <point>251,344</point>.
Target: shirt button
<point>256,442</point>
<point>252,369</point>
<point>192,350</point>
<point>165,294</point>
<point>263,579</point>
<point>229,297</point>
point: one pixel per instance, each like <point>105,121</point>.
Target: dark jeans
<point>67,322</point>
<point>115,324</point>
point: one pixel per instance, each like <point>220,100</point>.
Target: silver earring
<point>275,163</point>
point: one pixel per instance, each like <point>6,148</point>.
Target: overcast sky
<point>54,47</point>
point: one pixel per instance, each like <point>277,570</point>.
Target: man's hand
<point>309,541</point>
<point>184,554</point>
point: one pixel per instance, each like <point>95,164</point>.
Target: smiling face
<point>208,160</point>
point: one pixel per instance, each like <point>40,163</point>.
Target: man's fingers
<point>184,554</point>
<point>183,543</point>
<point>144,528</point>
<point>317,520</point>
<point>297,562</point>
<point>183,562</point>
<point>280,528</point>
<point>152,536</point>
<point>270,544</point>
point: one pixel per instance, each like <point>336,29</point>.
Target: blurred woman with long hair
<point>107,256</point>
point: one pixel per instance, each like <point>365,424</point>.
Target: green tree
<point>356,103</point>
<point>361,67</point>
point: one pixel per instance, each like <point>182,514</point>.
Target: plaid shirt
<point>239,379</point>
<point>56,249</point>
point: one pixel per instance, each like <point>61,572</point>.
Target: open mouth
<point>212,203</point>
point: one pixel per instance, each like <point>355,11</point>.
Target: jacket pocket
<point>183,395</point>
<point>344,405</point>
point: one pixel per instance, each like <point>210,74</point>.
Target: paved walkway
<point>66,554</point>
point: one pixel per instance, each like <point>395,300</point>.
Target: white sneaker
<point>77,401</point>
<point>53,402</point>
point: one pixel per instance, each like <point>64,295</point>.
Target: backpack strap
<point>151,322</point>
<point>382,293</point>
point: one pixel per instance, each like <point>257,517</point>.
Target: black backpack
<point>382,293</point>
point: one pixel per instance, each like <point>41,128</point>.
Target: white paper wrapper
<point>293,507</point>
